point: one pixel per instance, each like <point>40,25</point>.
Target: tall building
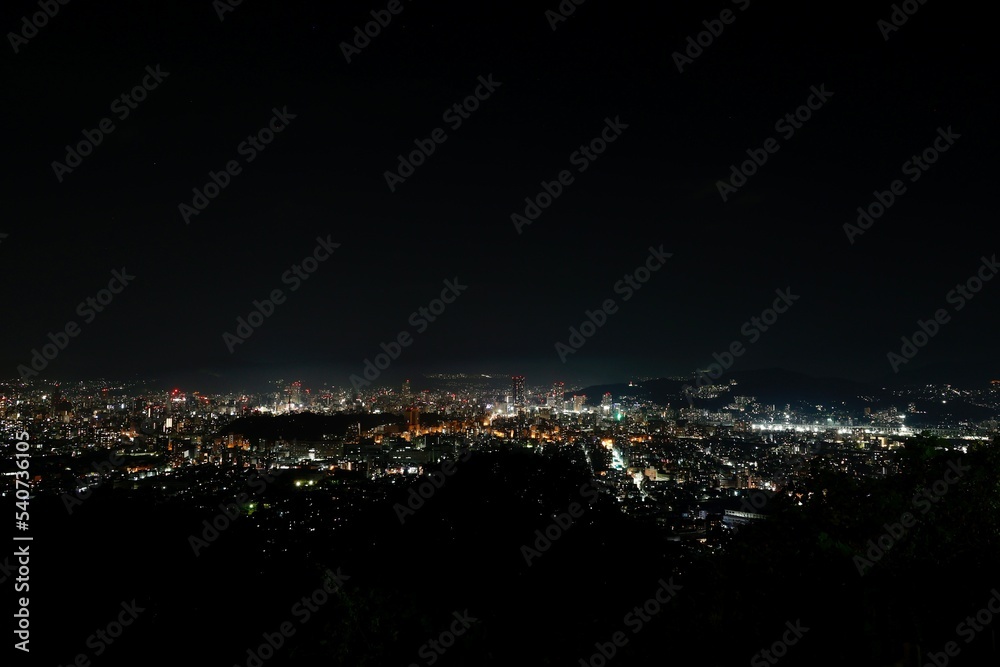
<point>293,393</point>
<point>606,403</point>
<point>578,402</point>
<point>406,388</point>
<point>517,382</point>
<point>558,394</point>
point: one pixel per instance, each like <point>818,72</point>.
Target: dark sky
<point>656,184</point>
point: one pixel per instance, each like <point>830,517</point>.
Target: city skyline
<point>466,335</point>
<point>486,479</point>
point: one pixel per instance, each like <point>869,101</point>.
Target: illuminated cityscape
<point>327,462</point>
<point>560,334</point>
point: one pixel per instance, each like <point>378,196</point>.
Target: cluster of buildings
<point>676,464</point>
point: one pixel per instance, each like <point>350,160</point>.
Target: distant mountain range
<point>780,387</point>
<point>775,386</point>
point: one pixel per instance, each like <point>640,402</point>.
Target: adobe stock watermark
<point>104,637</point>
<point>229,512</point>
<point>432,651</point>
<point>635,621</point>
<point>249,149</point>
<point>968,629</point>
<point>294,276</point>
<point>82,491</point>
<point>752,329</point>
<point>223,7</point>
<point>381,19</point>
<point>421,493</point>
<point>959,296</point>
<point>419,319</point>
<point>713,28</point>
<point>121,107</point>
<point>562,12</point>
<point>563,522</point>
<point>779,649</point>
<point>923,500</point>
<point>914,168</point>
<point>629,284</point>
<point>787,126</point>
<point>6,570</point>
<point>756,499</point>
<point>454,115</point>
<point>302,611</point>
<point>581,158</point>
<point>898,18</point>
<point>87,309</point>
<point>31,25</point>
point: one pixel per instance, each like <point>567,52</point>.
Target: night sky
<point>323,175</point>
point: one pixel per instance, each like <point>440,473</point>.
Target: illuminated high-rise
<point>558,394</point>
<point>517,382</point>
